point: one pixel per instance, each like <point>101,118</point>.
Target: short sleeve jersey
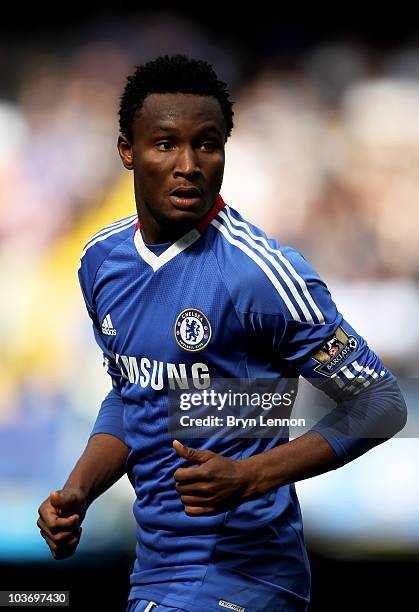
<point>223,301</point>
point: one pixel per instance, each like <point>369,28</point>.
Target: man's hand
<point>60,517</point>
<point>216,485</point>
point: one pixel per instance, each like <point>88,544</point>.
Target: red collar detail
<point>213,212</point>
<point>206,220</point>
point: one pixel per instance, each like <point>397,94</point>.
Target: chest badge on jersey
<point>192,330</point>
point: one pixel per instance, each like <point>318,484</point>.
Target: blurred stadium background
<point>324,156</point>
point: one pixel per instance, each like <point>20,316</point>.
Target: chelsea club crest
<point>192,330</point>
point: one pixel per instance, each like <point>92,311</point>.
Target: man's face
<point>178,145</point>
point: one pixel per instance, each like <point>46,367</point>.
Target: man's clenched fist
<point>60,517</point>
<point>215,485</point>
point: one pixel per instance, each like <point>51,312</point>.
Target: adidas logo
<point>107,327</point>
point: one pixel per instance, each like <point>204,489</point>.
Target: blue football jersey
<point>223,301</point>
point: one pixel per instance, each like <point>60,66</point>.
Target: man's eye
<point>208,145</point>
<point>164,145</point>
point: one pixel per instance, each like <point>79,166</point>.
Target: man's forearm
<point>304,457</point>
<point>100,466</point>
<point>368,419</point>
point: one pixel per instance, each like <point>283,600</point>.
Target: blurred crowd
<point>324,156</point>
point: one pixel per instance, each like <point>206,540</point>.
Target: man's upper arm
<point>306,335</point>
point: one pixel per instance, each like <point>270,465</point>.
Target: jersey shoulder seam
<point>113,224</point>
<point>109,227</point>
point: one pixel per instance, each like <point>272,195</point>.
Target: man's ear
<point>125,152</point>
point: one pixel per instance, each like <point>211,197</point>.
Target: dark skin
<point>179,140</point>
<point>62,512</point>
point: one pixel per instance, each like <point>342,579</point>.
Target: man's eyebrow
<point>212,128</point>
<point>168,128</point>
<point>165,128</point>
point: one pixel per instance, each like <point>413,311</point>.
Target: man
<point>183,293</point>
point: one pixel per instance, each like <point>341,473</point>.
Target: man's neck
<point>154,232</point>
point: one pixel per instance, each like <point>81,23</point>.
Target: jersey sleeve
<point>290,311</point>
<point>306,335</point>
<point>111,412</point>
<point>110,417</point>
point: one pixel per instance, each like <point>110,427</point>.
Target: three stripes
<point>260,251</point>
<point>284,277</point>
<point>109,230</point>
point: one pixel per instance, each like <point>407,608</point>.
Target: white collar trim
<point>157,261</point>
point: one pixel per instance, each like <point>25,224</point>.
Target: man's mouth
<point>186,197</point>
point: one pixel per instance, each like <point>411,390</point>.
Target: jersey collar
<point>157,261</point>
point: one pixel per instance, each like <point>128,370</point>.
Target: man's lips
<point>186,191</point>
<point>186,198</point>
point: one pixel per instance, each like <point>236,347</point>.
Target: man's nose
<point>187,162</point>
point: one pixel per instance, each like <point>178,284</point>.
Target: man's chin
<point>183,209</point>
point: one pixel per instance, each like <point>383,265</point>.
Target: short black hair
<point>172,74</point>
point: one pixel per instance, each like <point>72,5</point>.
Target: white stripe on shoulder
<point>111,226</point>
<point>285,261</point>
<point>259,261</point>
<point>294,292</point>
<point>104,236</point>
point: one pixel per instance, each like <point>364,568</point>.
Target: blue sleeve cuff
<point>362,422</point>
<point>110,419</point>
